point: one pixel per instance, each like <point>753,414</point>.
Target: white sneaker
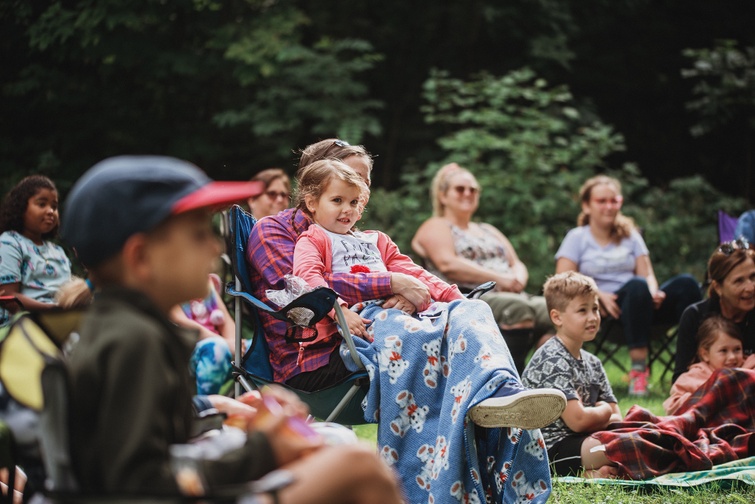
<point>528,409</point>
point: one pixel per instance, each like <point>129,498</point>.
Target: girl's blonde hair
<point>313,179</point>
<point>622,225</point>
<point>440,184</point>
<point>709,329</point>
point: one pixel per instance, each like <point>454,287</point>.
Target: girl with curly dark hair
<point>32,267</point>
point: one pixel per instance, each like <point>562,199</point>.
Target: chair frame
<point>8,461</point>
<point>610,339</point>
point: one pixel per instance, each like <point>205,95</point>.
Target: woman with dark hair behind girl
<point>277,194</point>
<point>32,267</point>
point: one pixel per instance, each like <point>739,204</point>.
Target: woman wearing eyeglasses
<point>469,253</point>
<point>731,294</point>
<point>277,195</point>
<point>607,246</point>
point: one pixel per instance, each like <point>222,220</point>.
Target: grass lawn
<point>572,494</point>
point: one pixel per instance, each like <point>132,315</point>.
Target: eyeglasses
<point>460,190</point>
<point>615,201</point>
<point>341,143</point>
<point>274,195</point>
<point>729,247</point>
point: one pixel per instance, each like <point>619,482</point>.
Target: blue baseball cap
<point>125,195</point>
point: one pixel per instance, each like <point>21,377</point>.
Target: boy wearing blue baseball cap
<point>141,225</point>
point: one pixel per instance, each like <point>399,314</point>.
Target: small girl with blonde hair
<point>719,345</point>
<point>334,195</point>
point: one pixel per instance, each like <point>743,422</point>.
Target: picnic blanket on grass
<point>715,425</point>
<point>723,475</point>
<point>420,391</point>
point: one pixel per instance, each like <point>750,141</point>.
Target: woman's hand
<point>400,303</point>
<point>509,284</point>
<point>608,304</point>
<point>412,289</point>
<point>658,298</point>
<point>357,324</point>
<point>237,408</point>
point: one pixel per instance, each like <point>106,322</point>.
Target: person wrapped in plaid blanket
<point>715,425</point>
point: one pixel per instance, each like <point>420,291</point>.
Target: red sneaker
<point>638,382</point>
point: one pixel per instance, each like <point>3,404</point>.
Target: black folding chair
<point>610,339</point>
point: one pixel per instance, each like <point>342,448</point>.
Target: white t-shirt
<point>612,265</point>
<point>355,248</point>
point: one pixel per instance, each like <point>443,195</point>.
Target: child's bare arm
<point>615,413</point>
<point>580,418</point>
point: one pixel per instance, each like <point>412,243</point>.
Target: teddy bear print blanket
<point>426,371</point>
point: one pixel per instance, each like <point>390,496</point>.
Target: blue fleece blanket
<point>426,371</point>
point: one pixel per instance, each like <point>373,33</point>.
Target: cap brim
<point>218,194</point>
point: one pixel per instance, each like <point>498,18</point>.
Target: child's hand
<point>357,324</point>
<point>289,401</point>
<point>287,447</point>
<point>281,417</point>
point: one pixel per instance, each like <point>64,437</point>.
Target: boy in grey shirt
<point>561,363</point>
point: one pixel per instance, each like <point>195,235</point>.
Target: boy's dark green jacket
<point>132,398</point>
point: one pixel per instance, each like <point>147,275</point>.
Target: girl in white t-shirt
<point>607,247</point>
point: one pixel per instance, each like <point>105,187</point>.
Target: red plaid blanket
<point>715,425</point>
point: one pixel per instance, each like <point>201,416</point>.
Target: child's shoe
<point>638,382</point>
<point>514,406</point>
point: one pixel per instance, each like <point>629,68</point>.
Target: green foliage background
<point>531,149</point>
<point>533,97</point>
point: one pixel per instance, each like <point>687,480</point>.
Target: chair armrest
<point>481,289</point>
<point>320,301</point>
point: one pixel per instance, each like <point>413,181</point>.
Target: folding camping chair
<point>340,402</point>
<point>610,339</point>
<point>33,369</point>
<point>30,353</point>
